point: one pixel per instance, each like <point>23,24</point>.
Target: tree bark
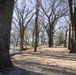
<point>36,35</point>
<point>65,44</point>
<point>75,29</point>
<point>36,25</point>
<point>50,41</point>
<point>50,35</point>
<point>69,37</point>
<point>33,38</point>
<point>21,39</point>
<point>6,10</point>
<point>72,46</point>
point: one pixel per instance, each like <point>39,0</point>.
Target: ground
<point>46,61</point>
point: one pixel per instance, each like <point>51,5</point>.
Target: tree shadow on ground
<point>46,70</point>
<point>15,53</point>
<point>54,55</point>
<point>52,69</point>
<point>17,71</point>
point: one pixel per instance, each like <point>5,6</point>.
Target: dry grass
<point>47,61</point>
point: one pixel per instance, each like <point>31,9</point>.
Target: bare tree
<point>6,10</point>
<point>15,37</point>
<point>42,37</point>
<point>52,14</point>
<point>23,17</point>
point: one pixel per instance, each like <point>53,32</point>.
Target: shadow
<point>24,49</point>
<point>15,53</point>
<point>18,71</point>
<point>53,69</point>
<point>48,54</point>
<point>46,70</point>
<point>55,47</point>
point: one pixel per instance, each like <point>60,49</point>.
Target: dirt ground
<point>46,61</point>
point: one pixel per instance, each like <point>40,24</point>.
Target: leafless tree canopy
<point>40,17</point>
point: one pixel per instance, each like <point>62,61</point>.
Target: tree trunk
<point>75,29</point>
<point>65,44</point>
<point>6,10</point>
<point>69,37</point>
<point>21,39</point>
<point>33,39</point>
<point>50,40</point>
<point>36,25</point>
<point>72,23</point>
<point>37,38</point>
<point>36,35</point>
<point>50,34</point>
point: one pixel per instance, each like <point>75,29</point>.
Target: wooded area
<point>31,25</point>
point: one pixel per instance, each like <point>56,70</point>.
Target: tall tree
<point>52,13</point>
<point>6,10</point>
<point>36,24</point>
<point>23,15</point>
<point>73,22</point>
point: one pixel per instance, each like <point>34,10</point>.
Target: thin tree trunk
<point>37,38</point>
<point>33,39</point>
<point>65,44</point>
<point>35,48</point>
<point>6,10</point>
<point>69,37</point>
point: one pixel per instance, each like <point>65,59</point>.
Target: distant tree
<point>69,29</point>
<point>42,37</point>
<point>14,38</point>
<point>22,17</point>
<point>51,14</point>
<point>32,27</point>
<point>60,37</point>
<point>6,10</point>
